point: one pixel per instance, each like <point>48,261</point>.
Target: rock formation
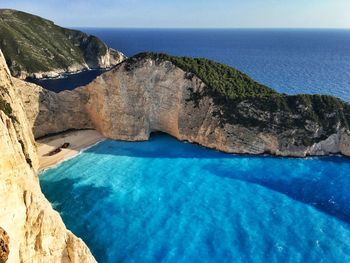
<point>134,100</point>
<point>4,246</point>
<point>147,94</point>
<point>36,232</point>
<point>49,112</point>
<point>36,47</point>
<point>142,95</point>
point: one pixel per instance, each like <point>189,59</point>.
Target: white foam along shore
<point>78,142</point>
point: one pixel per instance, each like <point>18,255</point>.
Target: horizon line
<point>214,28</point>
<point>222,27</point>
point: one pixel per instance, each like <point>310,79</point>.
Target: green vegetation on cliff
<point>241,100</point>
<point>221,78</point>
<point>32,44</point>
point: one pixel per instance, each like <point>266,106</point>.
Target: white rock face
<point>110,59</point>
<point>113,57</point>
<point>49,112</point>
<point>130,107</point>
<point>36,232</point>
<point>344,144</point>
<point>131,103</point>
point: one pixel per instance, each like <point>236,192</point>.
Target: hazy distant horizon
<point>193,14</point>
<point>214,28</point>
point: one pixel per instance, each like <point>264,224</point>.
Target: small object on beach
<point>57,150</point>
<point>65,145</point>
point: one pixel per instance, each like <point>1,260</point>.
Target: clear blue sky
<point>190,13</point>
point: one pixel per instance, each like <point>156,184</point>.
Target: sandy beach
<point>78,140</point>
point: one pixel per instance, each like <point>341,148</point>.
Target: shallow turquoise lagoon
<point>169,201</point>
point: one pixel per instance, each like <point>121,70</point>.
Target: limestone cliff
<point>149,93</point>
<point>34,231</point>
<point>49,112</point>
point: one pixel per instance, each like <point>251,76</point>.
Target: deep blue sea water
<point>169,201</point>
<point>290,61</point>
<point>68,81</point>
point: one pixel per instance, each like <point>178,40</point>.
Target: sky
<point>190,13</point>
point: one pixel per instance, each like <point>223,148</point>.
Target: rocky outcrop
<point>35,47</point>
<point>344,143</point>
<point>110,59</point>
<point>132,101</point>
<point>141,96</point>
<point>4,246</point>
<point>49,112</point>
<point>35,231</point>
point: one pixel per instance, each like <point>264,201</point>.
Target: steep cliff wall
<point>49,112</point>
<point>35,232</point>
<point>145,95</point>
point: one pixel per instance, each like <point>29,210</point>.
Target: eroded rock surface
<point>145,95</point>
<point>49,112</point>
<point>131,101</point>
<point>35,230</point>
<point>4,246</point>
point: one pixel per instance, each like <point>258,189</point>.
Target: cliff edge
<point>216,106</point>
<point>196,100</point>
<point>31,231</point>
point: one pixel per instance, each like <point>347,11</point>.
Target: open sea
<point>170,201</point>
<point>290,61</point>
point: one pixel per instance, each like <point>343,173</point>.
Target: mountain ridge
<point>37,47</point>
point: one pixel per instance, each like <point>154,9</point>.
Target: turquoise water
<point>168,201</point>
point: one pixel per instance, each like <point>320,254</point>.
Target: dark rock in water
<point>4,246</point>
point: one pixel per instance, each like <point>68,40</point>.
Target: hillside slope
<point>36,47</point>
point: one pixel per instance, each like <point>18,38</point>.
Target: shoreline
<point>78,142</point>
<point>58,74</point>
<point>64,74</point>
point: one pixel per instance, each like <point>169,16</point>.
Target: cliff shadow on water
<point>102,203</point>
<point>79,208</point>
<point>320,182</point>
<point>68,81</point>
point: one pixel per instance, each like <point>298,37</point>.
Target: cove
<point>168,201</point>
<point>68,81</point>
